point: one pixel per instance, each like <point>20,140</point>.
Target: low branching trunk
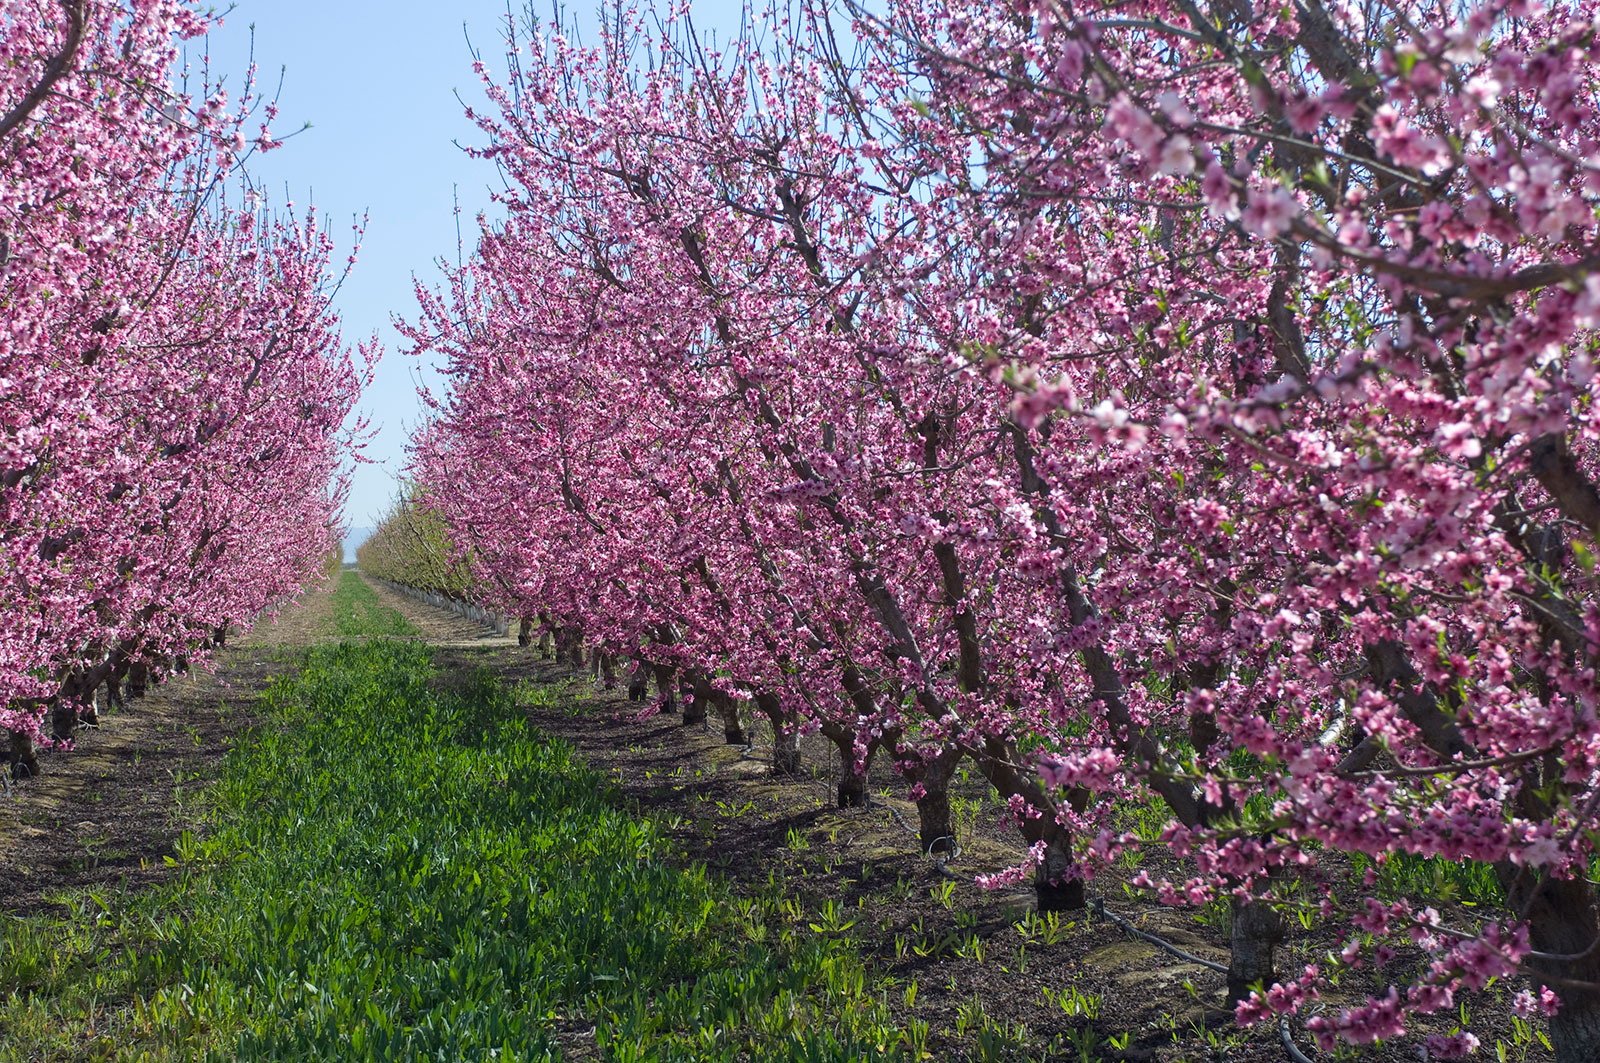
<point>525,631</point>
<point>24,759</point>
<point>852,770</point>
<point>639,680</point>
<point>1057,882</point>
<point>138,680</point>
<point>605,670</point>
<point>732,725</point>
<point>936,832</point>
<point>63,719</point>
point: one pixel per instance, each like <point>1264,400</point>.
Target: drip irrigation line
<point>1099,906</point>
<point>1289,1046</point>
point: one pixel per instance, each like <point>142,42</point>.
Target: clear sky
<point>377,82</point>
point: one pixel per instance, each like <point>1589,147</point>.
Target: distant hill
<point>356,537</point>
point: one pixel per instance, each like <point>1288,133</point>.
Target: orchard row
<point>172,384</point>
<point>1126,399</point>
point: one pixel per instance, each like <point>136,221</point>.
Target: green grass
<point>356,611</point>
<point>396,867</point>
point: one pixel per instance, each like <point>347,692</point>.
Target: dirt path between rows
<point>106,812</point>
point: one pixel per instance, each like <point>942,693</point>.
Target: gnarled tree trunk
<point>936,832</point>
<point>24,760</point>
<point>638,680</point>
<point>852,772</point>
<point>138,680</point>
<point>1057,884</point>
<point>732,726</point>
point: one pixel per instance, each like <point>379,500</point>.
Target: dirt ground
<point>105,813</point>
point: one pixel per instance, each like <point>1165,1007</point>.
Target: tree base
<point>1060,896</point>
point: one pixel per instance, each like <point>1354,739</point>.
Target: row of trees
<point>1159,400</point>
<point>172,383</point>
<point>412,545</point>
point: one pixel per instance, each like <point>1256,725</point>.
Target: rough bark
<point>935,832</point>
<point>605,669</point>
<point>639,681</point>
<point>1057,885</point>
<point>63,719</point>
<point>138,680</point>
<point>1257,930</point>
<point>852,775</point>
<point>525,631</point>
<point>732,726</point>
<point>1562,926</point>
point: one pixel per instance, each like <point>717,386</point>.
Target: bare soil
<point>105,812</point>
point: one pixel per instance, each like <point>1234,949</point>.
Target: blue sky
<point>377,82</point>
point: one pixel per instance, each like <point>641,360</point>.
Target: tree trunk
<point>138,680</point>
<point>608,672</point>
<point>1561,922</point>
<point>1258,928</point>
<point>852,775</point>
<point>666,687</point>
<point>63,719</point>
<point>89,709</point>
<point>1057,886</point>
<point>935,833</point>
<point>732,726</point>
<point>638,680</point>
<point>525,631</point>
<point>24,761</point>
<point>785,735</point>
<point>699,699</point>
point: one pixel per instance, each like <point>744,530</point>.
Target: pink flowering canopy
<point>172,383</point>
<point>1140,401</point>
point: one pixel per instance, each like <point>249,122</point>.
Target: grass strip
<point>397,867</point>
<point>355,611</point>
